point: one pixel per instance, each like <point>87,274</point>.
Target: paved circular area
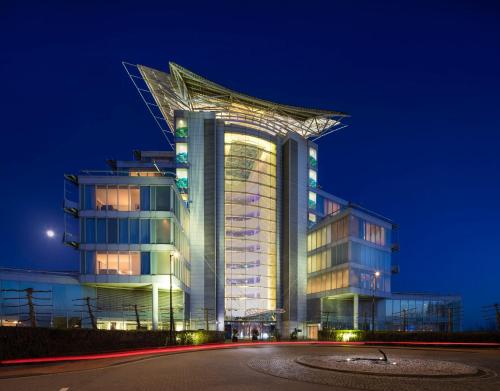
<point>446,375</point>
<point>369,364</point>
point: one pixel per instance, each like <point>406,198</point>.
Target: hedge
<point>25,342</point>
<point>400,336</point>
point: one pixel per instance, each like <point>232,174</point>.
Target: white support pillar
<point>154,306</point>
<point>355,312</point>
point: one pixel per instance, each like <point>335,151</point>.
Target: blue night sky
<point>420,79</point>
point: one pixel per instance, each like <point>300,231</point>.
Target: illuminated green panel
<point>312,200</point>
<point>181,153</point>
<point>181,129</point>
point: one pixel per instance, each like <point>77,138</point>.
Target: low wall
<point>27,342</point>
<point>400,336</point>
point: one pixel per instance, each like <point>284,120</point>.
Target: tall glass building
<point>233,212</point>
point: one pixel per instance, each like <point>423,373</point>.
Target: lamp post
<point>171,334</point>
<point>375,276</point>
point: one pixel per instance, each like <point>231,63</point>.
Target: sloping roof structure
<point>182,89</point>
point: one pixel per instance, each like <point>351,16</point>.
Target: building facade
<point>231,222</point>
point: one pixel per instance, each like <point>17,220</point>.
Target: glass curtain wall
<point>250,225</point>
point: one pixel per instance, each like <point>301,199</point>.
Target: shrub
<point>24,342</point>
<point>400,336</point>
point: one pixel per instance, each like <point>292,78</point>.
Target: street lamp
<point>171,334</point>
<point>375,276</point>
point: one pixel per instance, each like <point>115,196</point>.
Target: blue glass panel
<point>145,237</point>
<point>82,262</point>
<point>112,231</point>
<point>90,230</point>
<point>134,231</point>
<point>145,204</point>
<point>123,231</point>
<point>89,197</point>
<point>89,262</point>
<point>101,231</point>
<point>145,263</point>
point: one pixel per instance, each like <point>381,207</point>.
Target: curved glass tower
<point>250,225</point>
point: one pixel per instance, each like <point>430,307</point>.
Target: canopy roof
<point>182,89</point>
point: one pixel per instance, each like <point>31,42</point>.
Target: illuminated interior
<point>120,198</point>
<point>250,225</point>
<point>121,263</point>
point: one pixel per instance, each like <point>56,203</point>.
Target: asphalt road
<point>238,369</point>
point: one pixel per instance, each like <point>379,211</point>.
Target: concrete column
<point>154,306</point>
<point>355,312</point>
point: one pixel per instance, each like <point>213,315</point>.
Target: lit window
<point>118,263</point>
<point>313,178</point>
<point>182,179</point>
<point>181,128</point>
<point>312,200</point>
<point>181,153</point>
<point>313,158</point>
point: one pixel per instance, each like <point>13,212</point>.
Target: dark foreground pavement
<point>238,369</point>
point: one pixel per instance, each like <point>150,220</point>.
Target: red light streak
<point>182,349</point>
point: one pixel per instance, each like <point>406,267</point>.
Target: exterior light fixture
<point>50,233</point>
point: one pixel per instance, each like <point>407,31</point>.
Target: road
<point>238,369</point>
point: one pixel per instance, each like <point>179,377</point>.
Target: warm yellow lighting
<point>175,254</point>
<point>346,337</point>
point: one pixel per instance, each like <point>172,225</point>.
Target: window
<point>112,201</point>
<point>112,267</point>
<point>123,201</point>
<point>162,198</point>
<point>135,263</point>
<point>181,128</point>
<point>181,153</point>
<point>312,200</point>
<point>313,158</point>
<point>182,179</point>
<point>112,231</point>
<point>88,194</point>
<point>160,262</point>
<point>120,198</point>
<point>145,237</point>
<point>135,198</point>
<point>89,261</point>
<point>134,231</point>
<point>100,197</point>
<point>144,173</point>
<point>123,229</point>
<point>313,179</point>
<point>101,263</point>
<point>145,203</point>
<point>89,230</point>
<point>145,263</point>
<point>162,231</point>
<point>101,231</point>
<point>374,233</point>
<point>118,263</point>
